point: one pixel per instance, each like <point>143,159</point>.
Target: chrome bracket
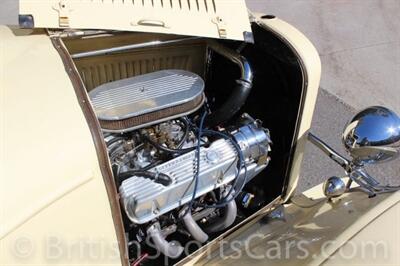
<point>356,172</point>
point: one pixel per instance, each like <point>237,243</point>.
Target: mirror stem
<point>335,156</point>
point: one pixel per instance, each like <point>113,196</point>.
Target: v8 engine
<point>175,171</point>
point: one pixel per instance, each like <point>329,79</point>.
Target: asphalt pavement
<point>359,45</point>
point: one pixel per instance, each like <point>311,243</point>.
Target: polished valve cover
<point>144,199</point>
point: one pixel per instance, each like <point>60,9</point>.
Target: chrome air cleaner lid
<point>143,100</point>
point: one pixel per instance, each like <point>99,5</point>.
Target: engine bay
<point>171,180</point>
<point>187,133</point>
<point>173,173</point>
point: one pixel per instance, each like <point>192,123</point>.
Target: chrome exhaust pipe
<point>194,229</point>
<point>229,217</point>
<point>170,249</point>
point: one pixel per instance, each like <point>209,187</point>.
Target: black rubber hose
<point>239,93</point>
<point>232,105</point>
<point>186,134</point>
<point>161,178</point>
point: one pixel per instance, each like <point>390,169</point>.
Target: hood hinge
<point>63,10</point>
<point>221,25</point>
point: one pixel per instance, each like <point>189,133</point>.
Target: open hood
<point>227,19</point>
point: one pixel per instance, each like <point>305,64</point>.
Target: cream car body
<point>44,125</point>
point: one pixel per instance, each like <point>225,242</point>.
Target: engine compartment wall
<point>98,70</point>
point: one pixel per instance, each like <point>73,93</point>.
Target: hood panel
<point>226,19</point>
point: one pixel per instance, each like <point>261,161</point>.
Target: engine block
<point>144,199</point>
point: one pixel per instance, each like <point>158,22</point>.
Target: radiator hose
<point>240,92</point>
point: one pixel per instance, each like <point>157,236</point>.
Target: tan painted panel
<point>208,18</point>
<point>377,244</point>
<point>304,232</point>
<point>53,197</point>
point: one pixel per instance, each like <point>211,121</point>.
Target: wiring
<point>241,165</point>
<point>166,149</point>
<point>197,170</point>
<point>186,134</point>
<point>234,190</point>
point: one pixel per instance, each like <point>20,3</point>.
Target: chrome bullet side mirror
<point>371,136</point>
